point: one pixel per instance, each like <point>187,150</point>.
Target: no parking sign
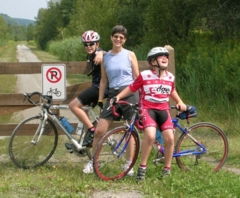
<point>54,81</point>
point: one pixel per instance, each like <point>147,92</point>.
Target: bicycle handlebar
<point>189,113</point>
<point>44,97</point>
<point>135,106</point>
<point>124,103</point>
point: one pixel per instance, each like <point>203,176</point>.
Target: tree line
<point>150,22</point>
<point>15,29</point>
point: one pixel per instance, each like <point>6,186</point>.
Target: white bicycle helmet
<point>90,36</point>
<point>155,52</point>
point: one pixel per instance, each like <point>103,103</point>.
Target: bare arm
<point>134,62</point>
<point>99,57</point>
<point>103,83</point>
<point>124,93</point>
<point>180,105</point>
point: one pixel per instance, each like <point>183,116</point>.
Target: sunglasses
<point>88,44</point>
<point>120,37</point>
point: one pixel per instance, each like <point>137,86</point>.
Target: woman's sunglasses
<point>120,37</point>
<point>88,44</point>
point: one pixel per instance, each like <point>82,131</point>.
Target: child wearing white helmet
<point>155,87</point>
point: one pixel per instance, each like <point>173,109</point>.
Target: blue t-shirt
<point>118,68</point>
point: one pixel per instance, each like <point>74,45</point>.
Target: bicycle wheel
<point>214,140</point>
<point>26,154</point>
<point>107,164</point>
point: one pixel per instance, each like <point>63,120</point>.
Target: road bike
<point>36,146</point>
<point>202,142</point>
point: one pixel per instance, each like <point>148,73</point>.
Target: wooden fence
<point>10,103</point>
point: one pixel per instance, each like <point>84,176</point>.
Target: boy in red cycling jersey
<point>155,87</point>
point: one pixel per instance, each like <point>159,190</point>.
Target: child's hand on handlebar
<point>181,106</point>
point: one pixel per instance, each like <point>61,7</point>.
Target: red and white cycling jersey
<point>154,92</point>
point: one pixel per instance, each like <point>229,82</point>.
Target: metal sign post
<point>54,81</point>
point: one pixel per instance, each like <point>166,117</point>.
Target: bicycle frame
<point>134,121</point>
<point>56,121</point>
<point>187,152</point>
<point>129,129</point>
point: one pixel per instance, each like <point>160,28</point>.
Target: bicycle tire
<point>107,165</point>
<point>27,155</point>
<point>214,140</point>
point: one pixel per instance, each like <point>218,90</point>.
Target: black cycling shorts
<point>89,96</point>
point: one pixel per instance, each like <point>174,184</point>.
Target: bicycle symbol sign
<point>54,81</point>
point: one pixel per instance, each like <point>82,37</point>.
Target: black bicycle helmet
<point>155,52</point>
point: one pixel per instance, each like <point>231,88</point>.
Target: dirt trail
<point>27,82</point>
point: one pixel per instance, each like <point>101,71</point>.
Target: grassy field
<point>62,176</point>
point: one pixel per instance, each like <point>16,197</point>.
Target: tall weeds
<point>70,49</point>
<point>210,78</point>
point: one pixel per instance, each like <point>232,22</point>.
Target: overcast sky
<point>24,9</point>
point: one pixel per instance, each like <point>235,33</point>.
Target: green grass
<point>63,177</point>
<point>8,54</point>
<point>42,55</point>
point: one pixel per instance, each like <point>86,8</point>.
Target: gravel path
<point>28,82</point>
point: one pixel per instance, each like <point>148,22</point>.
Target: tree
<point>47,24</point>
<point>30,32</point>
<point>3,29</point>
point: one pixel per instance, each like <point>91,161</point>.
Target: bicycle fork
<point>40,129</point>
<point>126,136</point>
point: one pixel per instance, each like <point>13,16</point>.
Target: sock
<point>91,130</point>
<point>143,166</point>
<point>128,162</point>
<point>167,168</point>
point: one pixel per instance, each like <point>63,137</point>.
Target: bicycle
<point>36,147</point>
<point>202,140</point>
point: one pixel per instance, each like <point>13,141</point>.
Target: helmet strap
<point>159,67</point>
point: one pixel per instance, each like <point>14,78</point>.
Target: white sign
<point>54,81</point>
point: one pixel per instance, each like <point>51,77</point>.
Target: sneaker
<point>88,168</point>
<point>88,140</point>
<point>165,173</point>
<point>141,174</point>
<point>69,147</point>
<point>130,172</point>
